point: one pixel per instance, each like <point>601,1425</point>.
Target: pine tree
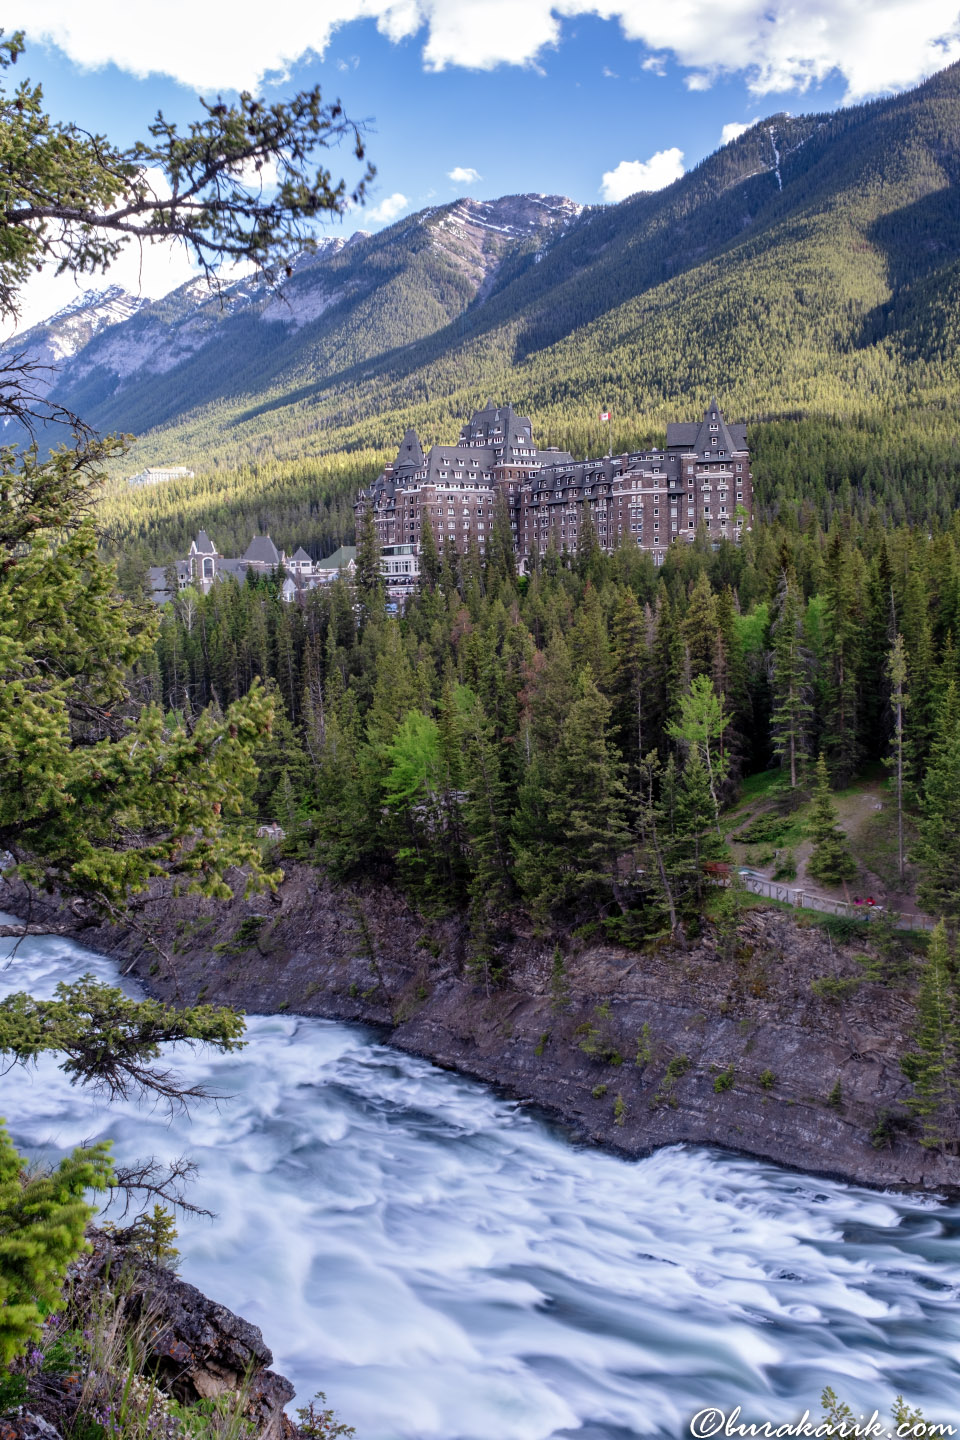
<point>843,642</point>
<point>899,700</point>
<point>500,555</point>
<point>586,808</point>
<point>830,859</point>
<point>43,1219</point>
<point>695,837</point>
<point>430,565</point>
<point>932,1066</point>
<point>630,662</point>
<point>656,827</point>
<point>368,574</point>
<point>937,851</point>
<point>153,1235</point>
<point>700,627</point>
<point>792,710</point>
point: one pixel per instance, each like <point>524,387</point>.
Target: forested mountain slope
<point>808,272</point>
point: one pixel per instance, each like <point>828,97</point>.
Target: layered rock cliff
<point>778,1042</point>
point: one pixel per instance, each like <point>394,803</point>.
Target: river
<point>448,1267</point>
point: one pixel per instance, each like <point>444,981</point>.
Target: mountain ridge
<point>806,268</point>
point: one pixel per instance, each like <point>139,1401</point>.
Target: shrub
<point>43,1218</point>
<point>619,1110</point>
<point>724,1080</point>
<point>767,1080</point>
<point>644,1046</point>
<point>836,988</point>
<point>678,1066</point>
<point>767,829</point>
<point>321,1424</point>
<point>596,1039</point>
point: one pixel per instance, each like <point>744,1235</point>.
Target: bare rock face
<point>28,1425</point>
<point>785,1045</point>
<point>197,1349</point>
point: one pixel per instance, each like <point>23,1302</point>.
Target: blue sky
<point>521,94</point>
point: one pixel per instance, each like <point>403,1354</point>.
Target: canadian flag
<point>604,414</point>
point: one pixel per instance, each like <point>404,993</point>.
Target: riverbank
<point>741,1046</point>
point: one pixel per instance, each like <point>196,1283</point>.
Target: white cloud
<point>731,131</point>
<point>776,44</point>
<point>464,175</point>
<point>609,74</point>
<point>388,209</point>
<point>656,64</point>
<point>633,175</point>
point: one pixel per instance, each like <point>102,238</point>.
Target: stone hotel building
<point>647,498</point>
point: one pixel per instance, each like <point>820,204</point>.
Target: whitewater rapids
<point>448,1267</point>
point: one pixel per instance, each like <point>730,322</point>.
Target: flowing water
<point>447,1267</point>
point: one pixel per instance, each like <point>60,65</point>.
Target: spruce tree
<point>932,1065</point>
<point>630,675</point>
<point>585,802</point>
<point>43,1218</point>
<point>899,700</point>
<point>792,711</point>
<point>368,574</point>
<point>430,566</point>
<point>937,851</point>
<point>695,836</point>
<point>700,627</point>
<point>830,859</point>
<point>844,619</point>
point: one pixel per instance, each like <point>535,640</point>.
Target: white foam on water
<point>447,1267</point>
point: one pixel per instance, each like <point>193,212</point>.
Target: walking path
<point>810,900</point>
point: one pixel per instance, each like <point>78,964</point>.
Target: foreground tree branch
<point>111,1041</point>
<point>242,183</point>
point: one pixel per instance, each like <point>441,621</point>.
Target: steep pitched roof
<point>262,551</point>
<point>300,557</point>
<point>204,545</point>
<point>697,435</point>
<point>340,559</point>
<point>410,454</point>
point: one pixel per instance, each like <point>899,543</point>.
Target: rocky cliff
<point>776,1041</point>
<point>148,1338</point>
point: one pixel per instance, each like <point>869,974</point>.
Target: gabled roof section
<point>493,422</point>
<point>203,545</point>
<point>300,557</point>
<point>699,436</point>
<point>262,551</point>
<point>340,559</point>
